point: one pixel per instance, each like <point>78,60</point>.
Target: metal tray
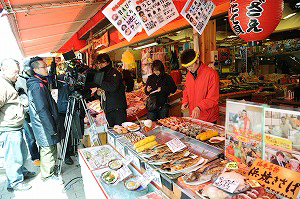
<point>164,134</point>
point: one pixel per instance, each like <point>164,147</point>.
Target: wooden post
<point>208,41</point>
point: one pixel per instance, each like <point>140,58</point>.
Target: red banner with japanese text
<point>277,179</point>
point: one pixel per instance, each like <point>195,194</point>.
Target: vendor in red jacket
<point>201,93</point>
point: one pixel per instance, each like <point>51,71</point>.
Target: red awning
<point>42,26</point>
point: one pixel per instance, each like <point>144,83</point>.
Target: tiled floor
<point>42,190</point>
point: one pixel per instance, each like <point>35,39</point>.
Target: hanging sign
<point>154,14</point>
<point>250,19</point>
<point>198,13</point>
<point>119,13</point>
<point>102,41</point>
<point>275,178</point>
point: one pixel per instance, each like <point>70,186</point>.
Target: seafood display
<point>204,173</point>
<point>133,137</point>
<point>192,128</point>
<point>145,143</point>
<point>98,157</point>
<point>120,129</point>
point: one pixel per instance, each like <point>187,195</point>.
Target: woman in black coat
<point>161,85</point>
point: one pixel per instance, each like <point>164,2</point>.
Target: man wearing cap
<point>22,91</point>
<point>201,93</point>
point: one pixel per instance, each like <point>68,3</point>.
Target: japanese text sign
<point>250,19</point>
<point>198,13</point>
<point>175,145</point>
<point>275,178</point>
<point>146,178</point>
<point>103,40</point>
<point>154,14</point>
<point>278,142</point>
<point>119,13</point>
<point>226,184</point>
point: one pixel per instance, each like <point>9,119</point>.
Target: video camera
<point>76,72</point>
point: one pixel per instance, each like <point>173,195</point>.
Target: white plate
<point>183,170</point>
<point>126,124</point>
<point>221,139</point>
<point>197,182</point>
<point>136,129</point>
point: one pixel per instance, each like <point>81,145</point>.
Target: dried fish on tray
<point>98,157</point>
<point>134,137</point>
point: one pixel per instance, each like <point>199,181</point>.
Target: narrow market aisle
<point>48,190</point>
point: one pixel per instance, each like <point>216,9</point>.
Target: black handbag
<point>151,103</point>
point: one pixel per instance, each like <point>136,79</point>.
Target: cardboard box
<point>87,142</point>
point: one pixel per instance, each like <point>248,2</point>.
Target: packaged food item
<point>146,146</point>
<point>207,135</point>
<point>144,141</point>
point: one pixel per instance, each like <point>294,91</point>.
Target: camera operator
<point>110,90</point>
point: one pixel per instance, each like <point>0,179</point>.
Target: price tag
<point>146,178</point>
<point>157,179</point>
<point>253,183</point>
<point>226,184</point>
<point>135,161</point>
<point>232,165</point>
<point>124,172</point>
<point>120,148</point>
<point>110,140</point>
<point>175,145</point>
<point>127,159</point>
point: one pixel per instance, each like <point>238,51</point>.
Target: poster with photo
<point>243,132</point>
<point>198,13</point>
<point>282,137</point>
<point>120,14</point>
<point>154,14</point>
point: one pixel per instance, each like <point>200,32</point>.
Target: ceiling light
<point>145,46</point>
<point>268,39</point>
<point>297,5</point>
<point>289,16</point>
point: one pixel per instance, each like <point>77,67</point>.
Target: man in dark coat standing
<point>111,90</point>
<point>43,115</point>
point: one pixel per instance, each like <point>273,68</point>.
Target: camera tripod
<point>74,99</point>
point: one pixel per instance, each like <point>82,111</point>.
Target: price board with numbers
<point>226,184</point>
<point>175,145</point>
<point>157,179</point>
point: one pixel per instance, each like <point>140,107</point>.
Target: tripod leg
<point>68,122</point>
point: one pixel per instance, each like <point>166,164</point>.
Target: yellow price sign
<point>232,165</point>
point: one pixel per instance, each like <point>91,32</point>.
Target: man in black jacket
<point>43,115</point>
<point>111,90</point>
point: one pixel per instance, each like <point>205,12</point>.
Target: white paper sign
<point>110,140</point>
<point>127,159</point>
<point>120,148</point>
<point>154,14</point>
<point>135,160</point>
<point>175,145</point>
<point>226,184</point>
<point>198,13</point>
<point>157,179</point>
<point>120,14</point>
<point>93,134</point>
<point>124,172</point>
<point>146,178</point>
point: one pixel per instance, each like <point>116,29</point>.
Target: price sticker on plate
<point>135,161</point>
<point>120,148</point>
<point>175,145</point>
<point>232,165</point>
<point>124,172</point>
<point>146,178</point>
<point>157,179</point>
<point>110,140</point>
<point>127,159</point>
<point>226,184</point>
